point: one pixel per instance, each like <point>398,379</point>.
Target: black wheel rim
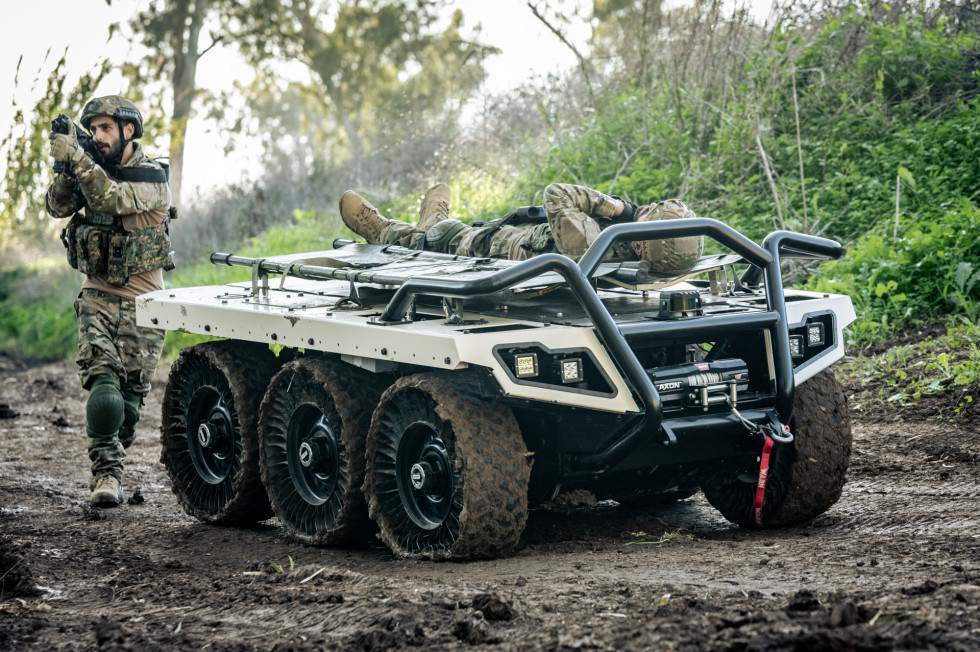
<point>304,458</point>
<point>210,435</point>
<point>312,454</point>
<point>419,494</point>
<point>424,476</point>
<point>206,450</point>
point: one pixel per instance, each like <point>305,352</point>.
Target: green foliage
<point>881,97</point>
<point>28,168</point>
<point>961,290</point>
<point>36,315</point>
<point>634,146</point>
<point>947,365</point>
<point>927,270</point>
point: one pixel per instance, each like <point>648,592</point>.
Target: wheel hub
<point>420,475</point>
<point>306,454</point>
<point>204,435</point>
<point>425,476</point>
<point>319,452</point>
<point>313,454</point>
<point>215,433</point>
<point>211,434</point>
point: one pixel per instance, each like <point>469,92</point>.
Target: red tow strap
<point>760,488</point>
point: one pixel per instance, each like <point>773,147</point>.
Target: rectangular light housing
<point>815,334</point>
<point>571,370</point>
<point>526,365</point>
<point>796,346</point>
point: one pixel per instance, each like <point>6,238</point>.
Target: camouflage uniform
<point>575,217</point>
<point>671,256</point>
<point>112,349</point>
<point>110,342</point>
<point>487,241</point>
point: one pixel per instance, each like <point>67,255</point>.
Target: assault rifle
<point>60,126</point>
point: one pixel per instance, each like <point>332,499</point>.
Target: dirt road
<point>894,565</point>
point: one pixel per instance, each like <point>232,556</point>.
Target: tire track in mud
<point>893,565</point>
<point>309,604</point>
<point>880,507</point>
<point>866,507</point>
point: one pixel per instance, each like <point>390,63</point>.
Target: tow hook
<point>779,431</point>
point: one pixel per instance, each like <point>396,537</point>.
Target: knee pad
<point>441,234</point>
<point>132,403</point>
<point>105,408</point>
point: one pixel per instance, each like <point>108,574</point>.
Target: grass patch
<point>936,371</point>
<point>37,318</point>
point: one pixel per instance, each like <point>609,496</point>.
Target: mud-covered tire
<point>209,430</point>
<point>805,477</point>
<point>312,427</point>
<point>447,471</point>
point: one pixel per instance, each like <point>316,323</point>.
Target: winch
<point>701,383</point>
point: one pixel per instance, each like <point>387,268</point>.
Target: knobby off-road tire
<point>313,423</point>
<point>209,430</point>
<point>806,477</point>
<point>447,471</point>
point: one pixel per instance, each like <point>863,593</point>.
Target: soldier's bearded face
<point>105,132</point>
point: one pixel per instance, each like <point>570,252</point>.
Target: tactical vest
<point>98,244</point>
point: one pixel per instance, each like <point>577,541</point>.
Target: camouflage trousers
<point>488,241</point>
<point>110,343</point>
<point>575,216</point>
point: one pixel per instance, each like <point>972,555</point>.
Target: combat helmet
<point>671,256</point>
<point>114,106</point>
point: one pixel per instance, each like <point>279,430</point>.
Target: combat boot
<point>361,217</point>
<point>435,206</point>
<point>108,492</point>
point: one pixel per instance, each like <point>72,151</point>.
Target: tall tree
<point>171,31</point>
<point>363,55</point>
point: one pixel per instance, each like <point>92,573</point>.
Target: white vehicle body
<point>401,365</point>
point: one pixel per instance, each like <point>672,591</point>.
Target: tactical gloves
<point>629,210</point>
<point>65,147</point>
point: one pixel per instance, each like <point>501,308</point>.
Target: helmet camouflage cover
<point>673,256</point>
<point>114,106</point>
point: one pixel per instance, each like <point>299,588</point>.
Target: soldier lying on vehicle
<point>571,220</point>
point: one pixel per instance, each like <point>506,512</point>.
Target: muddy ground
<point>894,565</point>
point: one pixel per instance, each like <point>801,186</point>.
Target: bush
<point>933,267</point>
<point>37,317</point>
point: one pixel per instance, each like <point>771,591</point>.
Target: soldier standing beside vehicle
<point>121,243</point>
<point>572,218</point>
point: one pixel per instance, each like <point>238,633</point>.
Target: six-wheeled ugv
<point>435,398</point>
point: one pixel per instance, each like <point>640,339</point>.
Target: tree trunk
<point>320,62</point>
<point>186,55</point>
